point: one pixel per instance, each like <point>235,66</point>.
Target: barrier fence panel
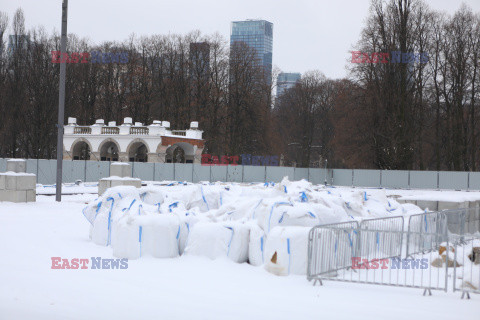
<point>143,170</point>
<point>32,166</point>
<point>92,171</point>
<point>331,248</point>
<point>474,180</point>
<point>466,276</point>
<point>218,173</point>
<point>276,174</point>
<point>453,180</point>
<point>424,179</point>
<point>319,176</point>
<point>201,173</point>
<point>335,254</point>
<point>395,179</point>
<point>96,170</point>
<point>426,231</point>
<point>164,171</point>
<point>300,173</point>
<point>3,165</point>
<point>254,174</point>
<point>183,172</point>
<point>342,177</point>
<point>235,173</point>
<point>47,171</point>
<point>366,178</point>
<point>387,244</point>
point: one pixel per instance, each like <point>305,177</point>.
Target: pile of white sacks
<point>262,224</point>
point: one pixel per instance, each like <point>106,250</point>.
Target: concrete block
<point>2,181</point>
<point>20,182</point>
<point>13,195</point>
<point>17,165</point>
<point>31,195</point>
<point>426,204</point>
<point>103,185</point>
<point>127,182</point>
<point>407,201</point>
<point>106,183</point>
<point>450,205</point>
<point>119,169</point>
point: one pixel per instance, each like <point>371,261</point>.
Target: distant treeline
<point>384,115</point>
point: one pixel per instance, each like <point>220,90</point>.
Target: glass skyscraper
<point>286,81</point>
<point>257,34</point>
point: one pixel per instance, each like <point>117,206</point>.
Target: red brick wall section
<point>168,141</point>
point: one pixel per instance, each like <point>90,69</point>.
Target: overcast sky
<point>308,34</point>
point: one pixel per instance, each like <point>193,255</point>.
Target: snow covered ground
<point>186,287</point>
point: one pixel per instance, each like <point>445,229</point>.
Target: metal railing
<point>466,276</point>
<point>365,256</point>
<point>110,130</point>
<point>82,130</point>
<point>437,246</point>
<point>139,130</point>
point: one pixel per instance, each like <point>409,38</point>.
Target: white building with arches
<point>132,142</point>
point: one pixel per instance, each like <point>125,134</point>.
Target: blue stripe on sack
<point>98,208</point>
<point>110,221</point>
<point>139,207</point>
<point>173,205</point>
<point>203,197</point>
<point>281,218</point>
<point>230,243</point>
<point>271,211</point>
<point>253,216</point>
<point>289,256</point>
<point>303,197</point>
<point>140,238</point>
<point>158,204</point>
<point>261,246</point>
<point>312,215</point>
<point>178,232</point>
<point>120,195</point>
<point>378,241</point>
<point>425,217</point>
<point>285,189</point>
<point>365,196</point>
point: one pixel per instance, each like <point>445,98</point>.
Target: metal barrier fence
<point>390,244</point>
<point>344,253</point>
<point>466,276</point>
<point>444,225</point>
<point>91,171</point>
<point>437,246</point>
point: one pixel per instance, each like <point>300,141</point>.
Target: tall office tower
<point>16,42</point>
<point>257,34</point>
<point>286,81</point>
<point>199,60</point>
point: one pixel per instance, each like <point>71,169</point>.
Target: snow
<point>192,286</point>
